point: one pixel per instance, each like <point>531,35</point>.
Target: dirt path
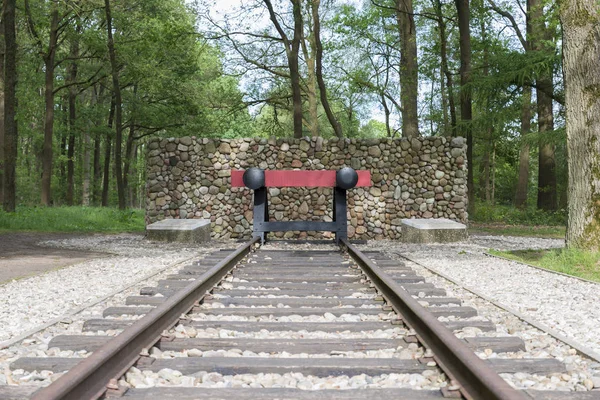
<point>21,255</point>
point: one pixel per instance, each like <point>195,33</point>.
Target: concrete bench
<point>439,230</point>
<point>179,230</point>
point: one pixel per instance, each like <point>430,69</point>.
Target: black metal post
<point>340,214</point>
<point>261,213</point>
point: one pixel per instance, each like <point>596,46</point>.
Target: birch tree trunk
<point>581,51</point>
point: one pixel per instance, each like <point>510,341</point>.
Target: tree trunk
<point>444,64</point>
<point>547,199</point>
<point>295,69</point>
<point>106,176</point>
<point>96,196</point>
<point>466,113</point>
<point>49,58</point>
<point>10,105</point>
<point>409,84</point>
<point>485,165</point>
<point>97,172</point>
<point>118,108</point>
<point>129,146</point>
<point>311,84</point>
<point>493,173</point>
<point>540,39</point>
<point>2,51</point>
<point>337,128</point>
<point>72,72</point>
<point>132,190</point>
<point>581,52</point>
<point>85,187</point>
<point>292,52</point>
<point>523,182</point>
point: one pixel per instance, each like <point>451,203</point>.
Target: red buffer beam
<point>299,178</point>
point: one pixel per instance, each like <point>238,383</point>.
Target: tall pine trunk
<point>107,149</point>
<point>541,40</point>
<point>2,51</point>
<point>523,181</point>
<point>466,111</point>
<point>72,121</point>
<point>97,164</point>
<point>97,168</point>
<point>409,68</point>
<point>118,108</point>
<point>444,64</point>
<point>10,105</point>
<point>581,52</point>
<point>49,64</point>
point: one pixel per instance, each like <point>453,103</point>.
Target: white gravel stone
<point>563,303</point>
<point>34,301</point>
<point>142,379</point>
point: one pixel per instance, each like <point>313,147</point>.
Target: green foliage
<point>72,219</point>
<point>485,213</point>
<point>570,261</point>
<point>373,129</point>
<point>541,231</point>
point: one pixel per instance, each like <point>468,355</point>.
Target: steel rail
<point>476,379</point>
<point>89,378</point>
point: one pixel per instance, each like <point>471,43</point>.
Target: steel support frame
<point>262,225</point>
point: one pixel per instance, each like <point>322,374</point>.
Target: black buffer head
<point>346,178</point>
<point>254,178</point>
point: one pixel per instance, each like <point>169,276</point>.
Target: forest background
<point>98,78</point>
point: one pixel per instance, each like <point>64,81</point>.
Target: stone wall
<point>189,177</point>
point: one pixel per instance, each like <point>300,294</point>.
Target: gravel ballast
<point>34,301</point>
<point>565,304</point>
<point>523,288</point>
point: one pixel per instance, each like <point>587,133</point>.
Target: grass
<point>72,219</point>
<point>512,221</point>
<point>551,232</point>
<point>580,263</point>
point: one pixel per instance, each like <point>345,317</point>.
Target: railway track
<point>290,324</point>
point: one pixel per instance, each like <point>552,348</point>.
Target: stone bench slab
<point>180,230</point>
<point>438,230</point>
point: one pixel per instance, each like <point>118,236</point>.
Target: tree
<point>409,83</point>
<point>337,128</point>
<point>2,48</point>
<point>48,54</point>
<point>292,50</point>
<point>542,40</point>
<point>10,103</point>
<point>581,51</point>
<point>118,107</point>
<point>466,111</point>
